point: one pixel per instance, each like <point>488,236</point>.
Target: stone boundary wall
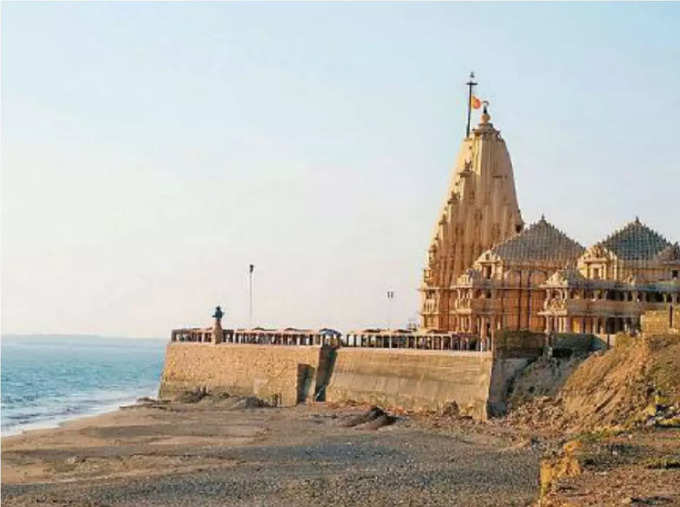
<point>281,376</point>
<point>661,321</point>
<point>519,344</point>
<point>412,379</point>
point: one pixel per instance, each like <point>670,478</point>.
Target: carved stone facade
<point>503,287</point>
<point>613,283</point>
<point>485,273</point>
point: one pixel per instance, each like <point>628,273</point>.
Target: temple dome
<point>539,242</point>
<point>635,242</point>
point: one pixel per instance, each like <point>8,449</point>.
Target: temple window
<point>675,274</point>
<point>487,272</point>
<point>596,273</point>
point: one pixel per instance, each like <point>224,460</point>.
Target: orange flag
<point>475,102</point>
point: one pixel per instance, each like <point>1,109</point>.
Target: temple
<point>496,294</point>
<point>485,272</point>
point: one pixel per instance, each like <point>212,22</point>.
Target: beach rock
<point>192,396</point>
<point>249,402</point>
<point>378,422</point>
<point>371,415</point>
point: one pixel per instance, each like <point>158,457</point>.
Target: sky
<point>152,151</point>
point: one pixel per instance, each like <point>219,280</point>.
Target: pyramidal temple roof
<point>541,241</point>
<point>635,242</point>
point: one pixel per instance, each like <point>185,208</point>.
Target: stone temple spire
<point>480,210</point>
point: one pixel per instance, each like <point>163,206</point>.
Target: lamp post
<point>390,298</point>
<point>250,308</point>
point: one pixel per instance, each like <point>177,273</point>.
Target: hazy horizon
<point>79,335</point>
<point>152,151</point>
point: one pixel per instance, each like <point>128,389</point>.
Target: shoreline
<point>60,421</point>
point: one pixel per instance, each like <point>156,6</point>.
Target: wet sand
<point>216,452</point>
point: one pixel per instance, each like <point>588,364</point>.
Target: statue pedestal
<point>217,334</point>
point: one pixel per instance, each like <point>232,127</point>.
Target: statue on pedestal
<point>217,334</point>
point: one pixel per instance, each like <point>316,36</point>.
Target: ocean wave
<point>15,423</point>
<point>48,381</point>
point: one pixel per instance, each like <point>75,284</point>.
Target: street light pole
<point>390,298</point>
<point>250,308</point>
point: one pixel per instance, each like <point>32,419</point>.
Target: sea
<point>49,379</point>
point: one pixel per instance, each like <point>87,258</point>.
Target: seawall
<point>412,379</point>
<point>282,376</point>
<point>394,378</point>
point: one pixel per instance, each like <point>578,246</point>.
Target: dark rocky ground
<point>215,453</point>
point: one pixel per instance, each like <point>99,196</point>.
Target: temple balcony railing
<point>600,306</point>
<point>429,306</point>
<point>478,305</point>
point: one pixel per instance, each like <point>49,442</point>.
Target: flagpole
<point>469,84</point>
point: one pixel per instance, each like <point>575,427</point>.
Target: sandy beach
<point>223,452</point>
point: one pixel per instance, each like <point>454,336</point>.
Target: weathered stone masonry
<point>282,376</point>
<point>399,378</point>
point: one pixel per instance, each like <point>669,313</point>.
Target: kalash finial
<point>485,112</point>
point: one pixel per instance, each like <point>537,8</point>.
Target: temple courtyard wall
<point>474,382</point>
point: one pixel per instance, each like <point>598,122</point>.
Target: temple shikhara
<point>487,271</point>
